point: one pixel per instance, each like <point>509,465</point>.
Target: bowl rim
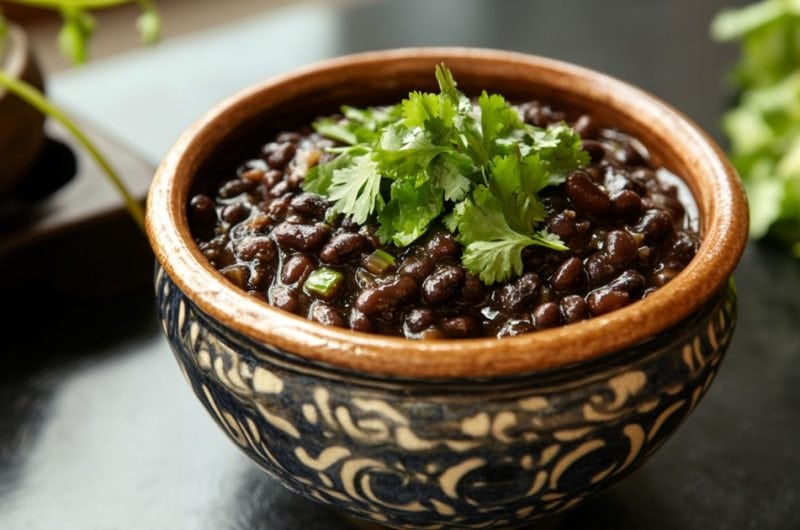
<point>718,192</point>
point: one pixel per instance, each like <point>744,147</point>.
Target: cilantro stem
<point>36,99</point>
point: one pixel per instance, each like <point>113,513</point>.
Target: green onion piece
<point>378,262</point>
<point>323,282</point>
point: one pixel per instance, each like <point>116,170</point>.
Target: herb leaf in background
<point>438,158</point>
<point>764,127</point>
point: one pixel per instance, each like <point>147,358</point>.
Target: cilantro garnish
<point>477,168</point>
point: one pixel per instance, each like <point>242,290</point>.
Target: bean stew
<point>629,227</point>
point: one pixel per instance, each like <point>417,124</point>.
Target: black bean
<point>442,245</point>
<point>360,322</point>
<point>604,300</point>
<point>278,208</point>
<point>278,155</point>
<point>569,275</point>
<point>621,248</point>
<point>257,294</point>
<point>599,268</point>
<point>325,314</point>
<point>255,175</point>
<point>419,319</point>
<point>235,213</point>
<point>546,315</point>
<point>272,177</point>
<point>301,237</point>
<point>596,150</point>
<point>514,296</point>
<point>237,274</point>
<point>664,275</point>
<point>573,308</point>
<point>202,211</point>
<point>626,203</point>
<point>585,126</point>
<point>297,268</point>
<point>655,224</point>
<point>417,267</point>
<point>289,136</point>
<point>444,284</point>
<point>630,281</point>
<point>384,299</point>
<point>284,298</point>
<point>259,277</point>
<point>474,289</point>
<point>259,248</point>
<point>562,224</point>
<point>235,187</point>
<point>281,189</point>
<point>461,326</point>
<point>513,327</point>
<point>586,195</point>
<point>342,246</point>
<point>310,205</point>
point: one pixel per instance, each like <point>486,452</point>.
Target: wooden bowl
<point>448,433</point>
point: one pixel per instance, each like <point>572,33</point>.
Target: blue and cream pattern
<point>452,453</point>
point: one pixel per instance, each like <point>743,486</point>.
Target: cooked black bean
<point>569,275</point>
<point>235,213</point>
<point>514,296</point>
<point>655,225</point>
<point>417,267</point>
<point>260,248</point>
<point>461,326</point>
<point>474,289</point>
<point>382,300</point>
<point>626,203</point>
<point>202,211</point>
<point>572,308</point>
<point>599,267</point>
<point>443,245</point>
<point>309,204</point>
<point>238,274</point>
<point>301,237</point>
<point>419,319</point>
<point>343,246</point>
<point>604,300</point>
<point>325,314</point>
<point>260,276</point>
<point>278,155</point>
<point>587,196</point>
<point>624,223</point>
<point>513,327</point>
<point>360,322</point>
<point>546,315</point>
<point>284,298</point>
<point>235,187</point>
<point>296,269</point>
<point>444,284</point>
<point>621,248</point>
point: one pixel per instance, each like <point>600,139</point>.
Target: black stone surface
<point>98,429</point>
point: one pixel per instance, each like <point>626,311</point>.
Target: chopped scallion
<point>323,282</point>
<point>378,262</point>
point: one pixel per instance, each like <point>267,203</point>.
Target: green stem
<point>36,99</point>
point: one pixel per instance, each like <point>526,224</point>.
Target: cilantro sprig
<point>477,168</point>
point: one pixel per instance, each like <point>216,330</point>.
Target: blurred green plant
<point>764,126</point>
<point>73,39</point>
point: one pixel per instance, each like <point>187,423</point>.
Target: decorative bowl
<point>468,433</point>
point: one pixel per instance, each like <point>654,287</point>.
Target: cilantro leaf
<point>412,207</point>
<point>475,167</point>
<point>355,189</point>
<point>493,248</point>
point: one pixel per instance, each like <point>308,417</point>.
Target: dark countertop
<point>98,429</point>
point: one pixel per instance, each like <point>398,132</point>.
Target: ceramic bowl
<point>21,125</point>
<point>448,433</point>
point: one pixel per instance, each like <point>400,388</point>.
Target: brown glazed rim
<point>677,143</point>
